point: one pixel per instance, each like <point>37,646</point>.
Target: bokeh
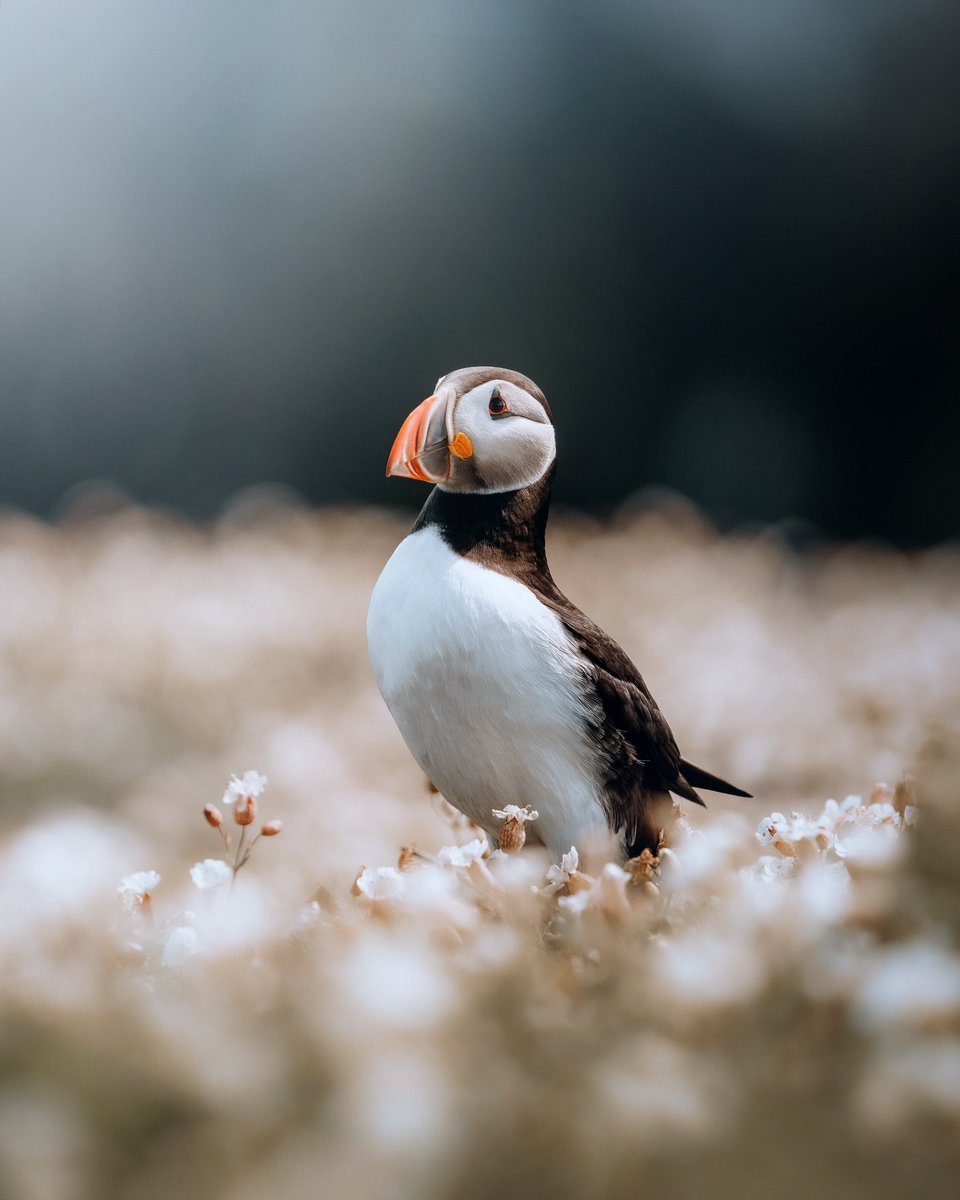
<point>239,241</point>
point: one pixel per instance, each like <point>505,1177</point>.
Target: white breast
<point>484,684</point>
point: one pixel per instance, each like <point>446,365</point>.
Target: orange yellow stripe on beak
<point>461,446</point>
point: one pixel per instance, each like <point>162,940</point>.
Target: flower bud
<point>213,815</point>
<point>511,835</point>
<point>245,810</point>
<point>578,881</point>
<point>271,829</point>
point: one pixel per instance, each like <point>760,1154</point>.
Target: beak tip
<point>404,459</point>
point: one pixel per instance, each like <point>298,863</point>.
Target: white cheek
<point>510,453</point>
<point>529,451</point>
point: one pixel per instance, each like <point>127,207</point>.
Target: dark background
<point>239,241</point>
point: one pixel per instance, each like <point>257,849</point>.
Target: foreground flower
<point>782,833</point>
<point>212,815</point>
<point>567,875</point>
<point>211,873</point>
<point>247,787</point>
<point>607,893</point>
<point>512,834</point>
<point>135,890</point>
<point>240,799</point>
<point>379,883</point>
<point>139,884</point>
<point>462,856</point>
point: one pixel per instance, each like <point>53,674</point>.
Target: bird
<point>503,690</point>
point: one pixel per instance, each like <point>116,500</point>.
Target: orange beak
<point>420,450</point>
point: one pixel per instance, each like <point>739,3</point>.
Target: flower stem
<point>248,853</point>
<point>237,864</point>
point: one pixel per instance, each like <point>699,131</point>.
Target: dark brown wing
<point>640,757</point>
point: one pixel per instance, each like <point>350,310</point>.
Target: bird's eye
<point>497,405</point>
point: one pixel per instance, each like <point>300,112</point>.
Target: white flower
<point>881,814</point>
<point>559,876</point>
<point>211,873</point>
<point>179,946</point>
<point>250,783</point>
<point>577,904</point>
<point>380,883</point>
<point>139,884</point>
<point>516,813</point>
<point>610,892</point>
<point>462,856</point>
<point>771,829</point>
<point>787,833</point>
<point>768,868</point>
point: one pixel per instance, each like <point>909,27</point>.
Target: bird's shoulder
<point>635,730</point>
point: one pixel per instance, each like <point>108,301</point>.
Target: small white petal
<point>380,883</point>
<point>570,861</point>
<point>140,883</point>
<point>462,856</point>
<point>250,783</point>
<point>771,828</point>
<point>516,812</point>
<point>211,873</point>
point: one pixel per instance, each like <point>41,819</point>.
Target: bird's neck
<point>503,530</point>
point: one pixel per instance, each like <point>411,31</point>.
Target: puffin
<point>503,690</point>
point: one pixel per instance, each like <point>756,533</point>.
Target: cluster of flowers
<point>638,991</point>
<point>495,871</point>
<point>840,827</point>
<point>240,801</point>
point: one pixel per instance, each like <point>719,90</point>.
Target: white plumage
<point>487,690</point>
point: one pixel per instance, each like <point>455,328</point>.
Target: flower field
<point>245,952</point>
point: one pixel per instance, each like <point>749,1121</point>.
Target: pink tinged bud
<point>213,815</point>
<point>245,810</point>
<point>271,829</point>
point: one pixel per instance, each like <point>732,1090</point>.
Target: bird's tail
<point>697,777</point>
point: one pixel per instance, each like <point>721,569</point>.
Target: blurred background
<point>239,241</point>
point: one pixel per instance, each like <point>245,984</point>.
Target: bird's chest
<point>481,678</point>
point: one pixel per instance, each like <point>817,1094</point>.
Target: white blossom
<point>516,813</point>
<point>250,783</point>
<point>771,829</point>
<point>211,873</point>
<point>575,905</point>
<point>462,856</point>
<point>770,868</point>
<point>380,883</point>
<point>139,884</point>
<point>558,876</point>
